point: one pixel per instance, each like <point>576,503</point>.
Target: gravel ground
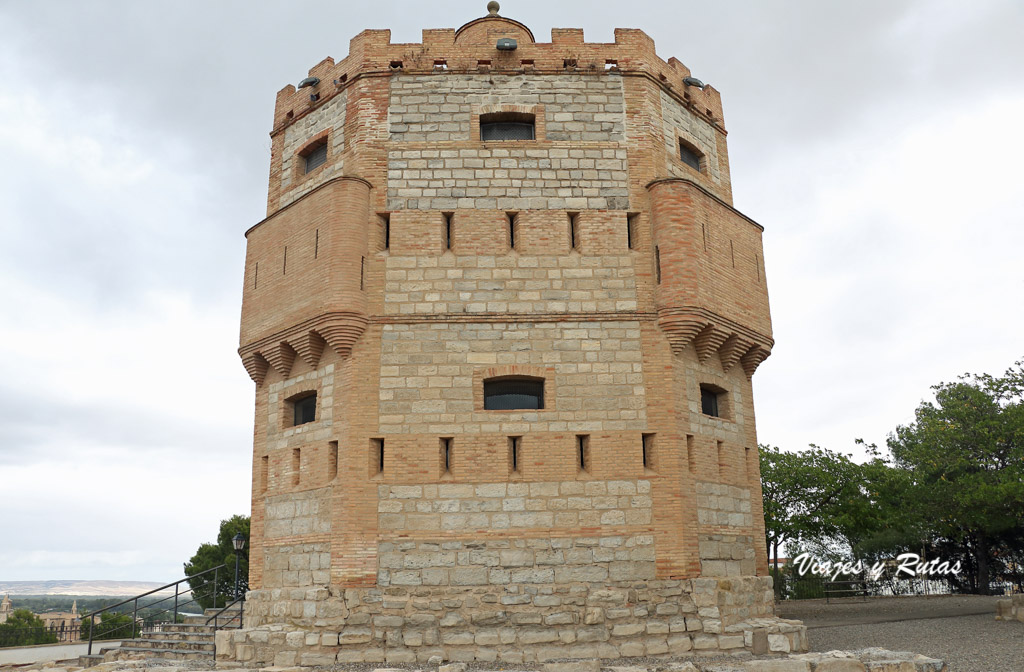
<point>961,630</point>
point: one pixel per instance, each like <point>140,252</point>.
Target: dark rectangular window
<point>448,230</point>
<point>316,157</point>
<point>714,401</point>
<point>574,234</point>
<point>689,155</point>
<point>708,400</point>
<point>304,409</point>
<point>509,394</point>
<point>507,126</point>
<point>657,264</point>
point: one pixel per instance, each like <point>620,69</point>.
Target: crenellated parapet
<point>471,49</point>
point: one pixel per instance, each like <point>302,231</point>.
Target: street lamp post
<point>238,541</point>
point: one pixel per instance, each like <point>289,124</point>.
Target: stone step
<point>183,628</point>
<point>204,635</point>
<point>89,661</point>
<point>172,654</point>
<point>170,644</point>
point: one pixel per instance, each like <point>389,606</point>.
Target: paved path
<point>961,630</point>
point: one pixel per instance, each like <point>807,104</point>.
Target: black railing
<point>119,629</point>
<point>35,636</point>
<point>240,601</point>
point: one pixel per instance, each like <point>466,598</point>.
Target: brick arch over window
<point>515,371</point>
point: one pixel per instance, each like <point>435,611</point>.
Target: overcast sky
<point>879,143</point>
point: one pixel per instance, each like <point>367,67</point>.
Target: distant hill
<point>72,587</point>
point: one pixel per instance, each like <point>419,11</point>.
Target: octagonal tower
<point>502,318</point>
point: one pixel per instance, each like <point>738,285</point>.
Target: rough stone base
<point>511,623</point>
<point>1011,609</point>
<point>866,660</point>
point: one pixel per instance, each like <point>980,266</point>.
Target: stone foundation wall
<point>1011,609</point>
<point>510,623</point>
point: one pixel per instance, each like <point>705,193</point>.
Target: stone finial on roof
<point>492,8</point>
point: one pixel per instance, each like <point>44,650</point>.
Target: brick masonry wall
<point>441,108</point>
<point>427,373</point>
<point>516,507</point>
<point>509,284</point>
<point>327,122</point>
<point>680,122</point>
<point>508,177</point>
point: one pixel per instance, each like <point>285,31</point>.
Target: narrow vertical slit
<point>332,460</point>
<point>511,216</point>
<point>377,456</point>
<point>746,464</point>
<point>256,276</point>
<point>721,460</point>
<point>284,267</point>
<point>513,453</point>
<point>732,253</point>
<point>316,245</point>
<point>704,234</point>
<point>691,458</point>
<point>757,266</point>
<point>296,465</point>
<point>264,473</point>
<point>362,272</point>
<point>583,452</point>
<point>657,264</point>
<point>632,220</point>
<point>573,232</point>
<point>446,455</point>
<point>448,230</point>
<point>647,446</point>
<point>385,218</point>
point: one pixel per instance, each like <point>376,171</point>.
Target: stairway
<point>191,640</point>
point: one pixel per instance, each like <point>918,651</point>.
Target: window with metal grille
<point>689,154</point>
<point>303,409</point>
<point>507,126</point>
<point>316,157</point>
<point>508,394</point>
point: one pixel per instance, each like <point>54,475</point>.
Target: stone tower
<point>502,318</point>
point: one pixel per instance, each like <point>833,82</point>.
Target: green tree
<point>23,628</point>
<point>209,556</point>
<point>111,625</point>
<point>965,453</point>
<point>807,494</point>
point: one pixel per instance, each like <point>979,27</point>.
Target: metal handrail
<point>216,619</point>
<point>135,601</point>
